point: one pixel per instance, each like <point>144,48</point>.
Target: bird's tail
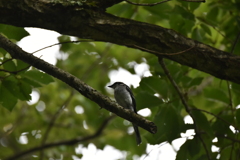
<point>138,137</point>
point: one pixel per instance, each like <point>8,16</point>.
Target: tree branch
<point>87,91</point>
<point>146,4</point>
<point>66,142</point>
<point>87,23</point>
<point>157,3</point>
<point>54,117</point>
<point>185,104</point>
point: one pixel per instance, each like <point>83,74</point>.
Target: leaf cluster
<point>62,114</point>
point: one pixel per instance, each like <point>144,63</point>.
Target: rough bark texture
<point>87,91</point>
<point>89,20</point>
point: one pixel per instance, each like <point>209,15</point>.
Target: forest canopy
<point>190,47</point>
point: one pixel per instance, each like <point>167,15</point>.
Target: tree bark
<point>87,91</point>
<point>90,21</point>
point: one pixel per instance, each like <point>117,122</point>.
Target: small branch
<point>158,53</point>
<point>55,116</point>
<point>96,62</point>
<point>154,4</point>
<point>6,61</point>
<point>146,4</point>
<point>15,72</point>
<point>187,108</point>
<point>229,138</point>
<point>194,0</point>
<point>230,98</point>
<point>215,28</point>
<point>62,43</point>
<point>66,142</point>
<point>216,116</point>
<point>84,89</point>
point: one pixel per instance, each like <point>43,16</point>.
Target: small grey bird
<point>125,98</point>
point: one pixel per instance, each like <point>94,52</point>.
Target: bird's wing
<point>133,99</point>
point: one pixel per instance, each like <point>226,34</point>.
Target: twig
<point>167,54</point>
<point>216,116</point>
<point>96,62</point>
<point>66,142</point>
<point>215,28</point>
<point>154,4</point>
<point>146,4</point>
<point>15,72</point>
<point>229,138</point>
<point>74,82</point>
<point>230,98</point>
<point>161,62</point>
<point>162,144</point>
<point>194,0</point>
<point>230,94</point>
<point>6,61</point>
<point>55,116</point>
<point>87,40</point>
<point>187,108</point>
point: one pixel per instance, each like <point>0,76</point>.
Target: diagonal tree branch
<point>87,91</point>
<point>92,23</point>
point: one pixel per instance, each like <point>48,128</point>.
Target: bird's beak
<point>111,86</point>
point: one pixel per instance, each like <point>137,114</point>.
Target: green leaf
<point>169,124</point>
<point>196,34</point>
<point>38,77</point>
<point>189,150</point>
<point>123,9</point>
<point>221,127</point>
<point>33,83</point>
<point>7,100</point>
<point>13,32</point>
<point>211,15</point>
<point>238,116</point>
<point>9,65</point>
<point>195,81</point>
<point>236,88</point>
<point>26,90</point>
<point>21,66</point>
<point>13,86</point>
<point>228,152</point>
<point>193,6</point>
<point>146,100</point>
<point>160,10</point>
<point>154,85</point>
<point>184,13</point>
<point>202,122</point>
<point>206,29</point>
<point>2,52</point>
<point>216,94</point>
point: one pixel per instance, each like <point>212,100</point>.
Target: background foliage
<point>62,114</point>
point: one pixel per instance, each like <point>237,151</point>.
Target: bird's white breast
<point>123,97</point>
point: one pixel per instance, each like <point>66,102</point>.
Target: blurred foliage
<point>214,103</point>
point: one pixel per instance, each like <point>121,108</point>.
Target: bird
<point>124,97</point>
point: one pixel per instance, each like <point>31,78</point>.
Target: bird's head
<point>116,84</point>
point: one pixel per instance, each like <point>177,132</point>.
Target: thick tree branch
<point>96,24</point>
<point>87,91</point>
<point>65,142</point>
